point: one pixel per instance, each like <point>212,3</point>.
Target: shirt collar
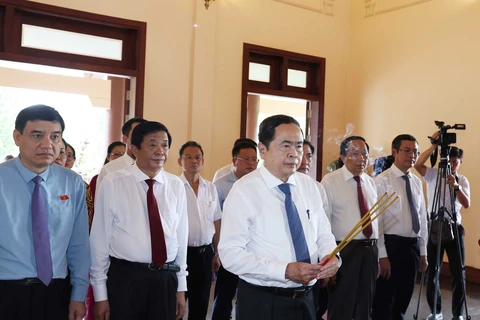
<point>399,173</point>
<point>348,175</point>
<point>232,177</point>
<point>271,181</point>
<point>185,181</point>
<point>141,176</point>
<point>28,175</point>
<point>127,159</point>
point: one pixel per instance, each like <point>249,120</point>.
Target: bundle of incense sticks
<point>375,211</point>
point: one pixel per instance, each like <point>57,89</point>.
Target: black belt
<point>30,281</point>
<point>406,240</point>
<point>169,266</point>
<point>362,242</point>
<point>293,293</point>
<point>201,249</point>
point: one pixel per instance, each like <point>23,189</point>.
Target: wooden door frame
<point>14,13</point>
<point>314,93</point>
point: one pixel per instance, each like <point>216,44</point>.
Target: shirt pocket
<point>310,229</point>
<point>419,201</point>
<point>394,211</point>
<point>169,223</point>
<point>209,207</point>
<point>60,216</point>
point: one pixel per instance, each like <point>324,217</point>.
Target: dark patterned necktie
<point>295,225</point>
<point>412,205</point>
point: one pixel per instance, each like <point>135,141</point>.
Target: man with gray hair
<point>351,193</point>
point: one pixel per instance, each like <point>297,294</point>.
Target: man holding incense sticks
<point>351,193</point>
<point>274,230</point>
<point>402,248</point>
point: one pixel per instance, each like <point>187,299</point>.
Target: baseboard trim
<point>473,274</point>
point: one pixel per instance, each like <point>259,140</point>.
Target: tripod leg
<point>438,263</point>
<point>456,256</point>
<point>415,316</point>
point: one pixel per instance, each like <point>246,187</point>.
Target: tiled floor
<point>473,301</point>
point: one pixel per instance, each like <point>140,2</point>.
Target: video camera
<point>445,138</point>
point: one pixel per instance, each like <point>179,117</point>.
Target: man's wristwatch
<point>457,188</point>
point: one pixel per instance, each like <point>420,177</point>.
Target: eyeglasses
<point>70,156</point>
<point>115,155</point>
<point>248,159</point>
<point>193,158</point>
<point>408,152</point>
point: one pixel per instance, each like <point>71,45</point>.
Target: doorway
<point>82,99</point>
<point>295,82</point>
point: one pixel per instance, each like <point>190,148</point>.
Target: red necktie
<point>159,249</point>
<point>362,204</point>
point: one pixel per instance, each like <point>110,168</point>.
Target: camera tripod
<point>442,213</point>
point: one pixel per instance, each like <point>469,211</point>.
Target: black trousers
<point>141,294</point>
<point>392,296</point>
<point>351,297</point>
<point>255,303</point>
<point>225,289</point>
<point>320,297</point>
<point>199,281</point>
<point>35,301</point>
<point>456,269</point>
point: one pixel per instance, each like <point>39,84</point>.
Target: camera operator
<point>461,189</point>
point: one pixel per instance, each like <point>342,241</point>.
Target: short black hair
<point>189,144</point>
<point>456,152</point>
<point>113,145</point>
<point>245,140</point>
<point>266,132</point>
<point>344,144</point>
<point>312,148</point>
<point>148,127</point>
<point>240,146</point>
<point>397,142</point>
<point>110,148</point>
<point>127,126</point>
<point>73,150</point>
<point>35,113</point>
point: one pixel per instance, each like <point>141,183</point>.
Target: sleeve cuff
<point>423,250</point>
<point>100,292</point>
<point>182,284</point>
<point>277,270</point>
<point>79,293</point>
<point>340,261</point>
<point>382,252</point>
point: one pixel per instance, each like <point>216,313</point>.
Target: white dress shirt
<point>255,239</point>
<point>223,171</point>
<point>324,197</point>
<point>118,164</point>
<point>203,210</point>
<point>344,211</point>
<point>397,220</point>
<point>431,177</point>
<point>121,226</point>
